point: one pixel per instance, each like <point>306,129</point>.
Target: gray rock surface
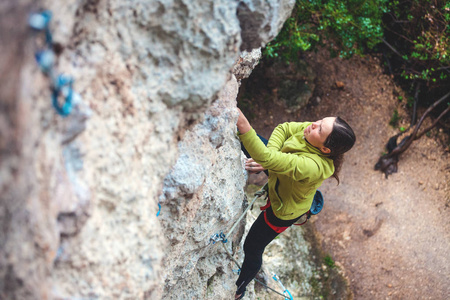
<point>203,195</point>
<point>79,194</point>
<point>245,64</point>
<point>261,20</point>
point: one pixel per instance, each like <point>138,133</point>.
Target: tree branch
<point>434,123</point>
<point>398,150</point>
<point>416,99</point>
<point>391,47</point>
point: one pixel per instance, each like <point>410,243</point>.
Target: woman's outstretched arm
<point>243,125</point>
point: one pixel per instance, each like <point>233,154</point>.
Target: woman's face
<point>317,133</point>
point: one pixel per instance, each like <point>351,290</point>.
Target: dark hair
<point>340,140</point>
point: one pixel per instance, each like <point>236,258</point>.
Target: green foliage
<point>415,35</point>
<point>410,101</point>
<point>394,119</point>
<point>329,261</point>
<point>346,27</point>
<point>293,38</point>
<point>420,30</point>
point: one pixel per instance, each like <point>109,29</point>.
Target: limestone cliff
<point>153,121</point>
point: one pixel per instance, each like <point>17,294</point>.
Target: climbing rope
<point>282,295</point>
<point>221,237</point>
<point>224,238</point>
<point>258,194</point>
<point>259,281</point>
<point>61,85</point>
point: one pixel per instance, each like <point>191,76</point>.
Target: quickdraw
<point>61,85</point>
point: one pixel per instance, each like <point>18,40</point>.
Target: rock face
<point>200,200</point>
<point>79,194</point>
<point>262,20</point>
<point>246,63</point>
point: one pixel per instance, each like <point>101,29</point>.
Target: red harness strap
<point>265,206</point>
<point>277,229</point>
<point>300,224</point>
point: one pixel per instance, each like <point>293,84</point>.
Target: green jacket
<point>296,168</point>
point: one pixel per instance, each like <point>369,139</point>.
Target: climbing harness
<point>221,237</point>
<point>316,207</point>
<point>61,85</point>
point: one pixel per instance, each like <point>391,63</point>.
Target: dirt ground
<point>390,236</point>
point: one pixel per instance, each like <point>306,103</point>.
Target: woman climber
<point>299,157</point>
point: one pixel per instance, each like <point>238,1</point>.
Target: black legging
<point>259,236</point>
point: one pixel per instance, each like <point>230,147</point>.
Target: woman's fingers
<point>252,166</point>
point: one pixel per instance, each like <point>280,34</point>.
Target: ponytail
<point>339,141</point>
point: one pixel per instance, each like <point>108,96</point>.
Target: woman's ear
<point>325,150</point>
